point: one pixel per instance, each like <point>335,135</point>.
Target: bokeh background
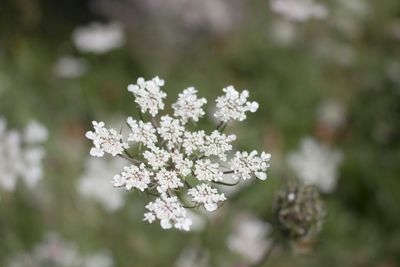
<point>333,77</point>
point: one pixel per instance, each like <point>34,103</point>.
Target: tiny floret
<point>188,106</point>
<point>169,211</point>
<point>105,140</point>
<point>133,177</point>
<point>234,105</point>
<point>205,170</point>
<point>142,132</point>
<point>148,95</point>
<point>245,164</point>
<point>206,195</point>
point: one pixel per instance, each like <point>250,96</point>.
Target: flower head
<point>178,165</point>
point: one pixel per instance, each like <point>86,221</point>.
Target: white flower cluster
<point>21,154</point>
<point>299,10</point>
<point>176,164</point>
<point>105,141</point>
<point>234,105</point>
<point>98,38</point>
<point>54,251</point>
<point>148,95</point>
<point>245,164</point>
<point>316,164</point>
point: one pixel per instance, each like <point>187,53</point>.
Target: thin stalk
<point>227,184</point>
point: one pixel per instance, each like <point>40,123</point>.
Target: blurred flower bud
<point>299,211</point>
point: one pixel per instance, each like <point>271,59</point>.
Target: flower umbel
<point>176,165</point>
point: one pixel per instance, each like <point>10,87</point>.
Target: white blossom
<point>218,144</point>
<point>177,159</point>
<point>69,67</point>
<point>35,133</point>
<point>167,180</point>
<point>245,164</point>
<point>98,38</point>
<point>133,177</point>
<point>105,140</point>
<point>57,252</point>
<point>157,157</point>
<point>95,182</point>
<point>192,257</point>
<point>170,131</point>
<point>188,106</point>
<point>250,237</point>
<point>299,10</point>
<point>193,141</point>
<point>207,196</point>
<point>21,155</point>
<point>183,165</point>
<point>142,132</point>
<point>316,164</point>
<point>169,211</point>
<point>205,170</point>
<point>148,95</point>
<point>234,105</point>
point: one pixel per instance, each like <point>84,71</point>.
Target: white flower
<point>205,170</point>
<point>70,67</point>
<point>299,10</point>
<point>157,157</point>
<point>207,196</point>
<point>142,132</point>
<point>133,177</point>
<point>35,133</point>
<point>250,238</point>
<point>99,259</point>
<point>176,158</point>
<point>148,95</point>
<point>192,257</point>
<point>21,156</point>
<point>167,180</point>
<point>182,165</point>
<point>98,38</point>
<point>316,164</point>
<point>169,211</point>
<point>54,251</point>
<point>193,141</point>
<point>234,105</point>
<point>95,182</point>
<point>105,140</point>
<point>171,131</point>
<point>188,106</point>
<point>245,164</point>
<point>218,144</point>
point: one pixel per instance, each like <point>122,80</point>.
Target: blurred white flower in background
<point>96,182</point>
<point>192,257</point>
<point>56,252</point>
<point>21,154</point>
<point>332,114</point>
<point>98,38</point>
<point>70,67</point>
<point>250,237</point>
<point>283,32</point>
<point>316,164</point>
<point>299,10</point>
